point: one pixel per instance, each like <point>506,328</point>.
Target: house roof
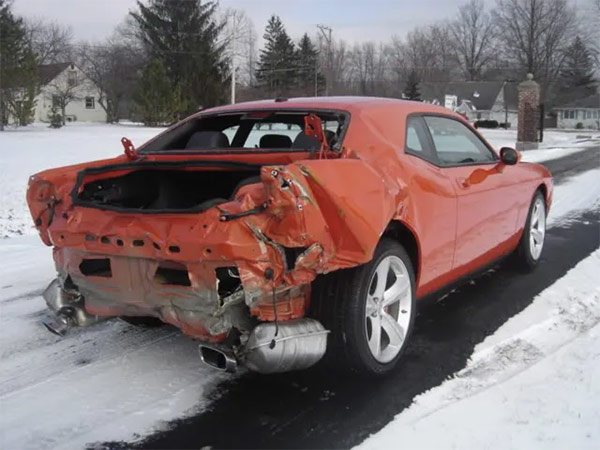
<point>48,72</point>
<point>482,94</point>
<point>592,101</point>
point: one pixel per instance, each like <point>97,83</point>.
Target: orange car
<point>278,231</point>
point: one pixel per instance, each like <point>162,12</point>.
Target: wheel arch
<point>404,235</point>
<point>544,190</point>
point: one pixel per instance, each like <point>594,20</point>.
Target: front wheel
<point>369,310</point>
<point>531,245</point>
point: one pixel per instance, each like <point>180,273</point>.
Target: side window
<point>417,139</point>
<point>456,144</point>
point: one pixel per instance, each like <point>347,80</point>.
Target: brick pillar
<point>529,100</point>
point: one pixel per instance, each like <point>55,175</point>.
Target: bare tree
<point>472,35</point>
<point>50,41</point>
<point>535,35</point>
<point>239,35</point>
<point>369,66</point>
<point>113,67</point>
<point>63,90</point>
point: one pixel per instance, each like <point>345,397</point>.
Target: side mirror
<point>509,156</point>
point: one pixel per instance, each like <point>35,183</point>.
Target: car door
<point>433,207</point>
<point>486,215</point>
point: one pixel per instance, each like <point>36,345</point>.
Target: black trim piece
<point>226,217</point>
<point>152,165</point>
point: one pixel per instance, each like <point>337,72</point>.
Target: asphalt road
<point>318,409</point>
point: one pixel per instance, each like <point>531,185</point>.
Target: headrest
<point>305,142</point>
<point>275,141</point>
<point>205,140</point>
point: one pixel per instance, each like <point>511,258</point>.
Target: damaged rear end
<point>223,248</point>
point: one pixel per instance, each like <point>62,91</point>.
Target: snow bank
<point>534,384</point>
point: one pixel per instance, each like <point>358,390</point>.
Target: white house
<point>488,100</point>
<point>582,113</point>
<point>67,80</point>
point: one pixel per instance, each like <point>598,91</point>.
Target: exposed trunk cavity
<point>155,190</point>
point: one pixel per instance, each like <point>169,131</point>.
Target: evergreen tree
<point>18,70</point>
<point>183,36</point>
<point>578,68</point>
<point>277,66</point>
<point>308,73</point>
<point>411,89</point>
<point>157,102</point>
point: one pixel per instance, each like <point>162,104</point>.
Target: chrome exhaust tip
<point>218,358</point>
<point>59,326</point>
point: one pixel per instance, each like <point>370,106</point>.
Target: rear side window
<point>456,144</point>
<point>417,139</point>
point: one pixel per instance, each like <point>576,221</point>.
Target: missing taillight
<point>175,276</point>
<point>228,281</point>
<point>96,267</point>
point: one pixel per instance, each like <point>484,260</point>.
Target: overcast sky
<point>352,20</point>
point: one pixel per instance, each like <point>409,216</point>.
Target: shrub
<point>486,124</point>
<point>579,126</point>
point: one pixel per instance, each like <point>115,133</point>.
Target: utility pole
<point>326,33</point>
<point>233,68</point>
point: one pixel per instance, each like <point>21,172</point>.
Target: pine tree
<point>578,68</point>
<point>411,90</point>
<point>157,102</point>
<point>184,37</point>
<point>277,67</point>
<point>307,58</point>
<point>18,70</point>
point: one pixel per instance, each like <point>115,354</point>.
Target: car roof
<point>343,103</point>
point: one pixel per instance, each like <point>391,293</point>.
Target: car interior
<point>268,130</point>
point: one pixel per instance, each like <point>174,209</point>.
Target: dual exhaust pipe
<point>69,309</point>
<point>272,348</point>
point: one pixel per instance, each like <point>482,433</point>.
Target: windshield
<point>256,130</point>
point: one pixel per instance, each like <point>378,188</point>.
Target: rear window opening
<point>252,130</point>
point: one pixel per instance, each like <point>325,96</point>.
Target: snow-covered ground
<point>535,383</point>
<point>25,151</point>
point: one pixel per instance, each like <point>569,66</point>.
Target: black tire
<point>523,257</point>
<point>143,322</point>
<point>339,302</point>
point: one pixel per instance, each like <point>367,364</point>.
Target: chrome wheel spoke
<point>393,329</point>
<point>396,291</point>
<point>538,236</point>
<point>375,338</point>
<point>382,274</point>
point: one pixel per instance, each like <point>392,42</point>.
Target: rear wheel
<point>369,310</point>
<point>531,245</point>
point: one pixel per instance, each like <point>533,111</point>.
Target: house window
<point>71,78</point>
<point>596,113</point>
<point>588,114</point>
<point>90,103</point>
<point>55,101</point>
<point>570,114</point>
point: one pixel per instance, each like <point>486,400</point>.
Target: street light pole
<point>233,68</point>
